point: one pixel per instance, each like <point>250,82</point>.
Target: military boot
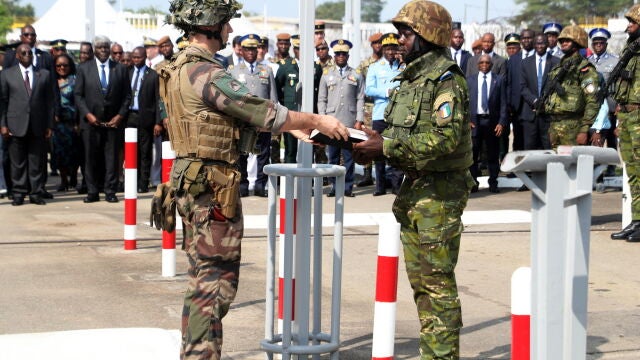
<point>366,179</point>
<point>632,228</point>
<point>634,236</point>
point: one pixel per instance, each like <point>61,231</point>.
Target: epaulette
<point>325,71</point>
<point>446,76</point>
<point>230,67</point>
<point>282,62</point>
<point>294,61</point>
<point>358,71</point>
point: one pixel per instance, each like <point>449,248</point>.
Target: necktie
<point>103,79</point>
<point>340,71</point>
<point>597,58</point>
<point>134,86</point>
<point>251,68</point>
<point>485,94</point>
<point>27,82</point>
<point>540,76</point>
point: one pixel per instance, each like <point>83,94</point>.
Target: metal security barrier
<point>561,187</point>
<point>296,338</point>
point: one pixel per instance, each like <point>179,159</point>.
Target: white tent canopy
<point>66,19</point>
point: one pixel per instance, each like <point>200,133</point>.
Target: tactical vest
<point>573,101</point>
<point>411,107</point>
<point>195,130</point>
<point>628,84</point>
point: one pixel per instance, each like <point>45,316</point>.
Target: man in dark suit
<point>236,56</point>
<point>459,55</point>
<point>488,107</point>
<point>144,112</point>
<point>535,70</point>
<point>102,96</point>
<point>41,59</point>
<point>26,121</point>
<point>499,63</point>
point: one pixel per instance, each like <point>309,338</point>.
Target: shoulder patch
<point>444,108</point>
<point>294,61</point>
<point>446,76</point>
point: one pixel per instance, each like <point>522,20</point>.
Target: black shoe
<point>46,195</point>
<point>379,193</point>
<point>511,175</point>
<point>81,189</point>
<point>523,188</point>
<point>260,192</point>
<point>111,198</point>
<point>634,236</point>
<point>349,194</point>
<point>632,228</point>
<point>331,193</point>
<point>91,198</point>
<point>143,189</point>
<point>494,189</point>
<point>366,181</point>
<point>17,200</point>
<point>36,200</point>
<point>244,192</point>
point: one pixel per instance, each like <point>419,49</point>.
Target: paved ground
<point>62,268</point>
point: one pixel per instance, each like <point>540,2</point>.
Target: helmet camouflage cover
<point>633,13</point>
<point>191,13</point>
<point>575,33</point>
<point>428,19</point>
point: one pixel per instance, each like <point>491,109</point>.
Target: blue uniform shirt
<point>379,80</point>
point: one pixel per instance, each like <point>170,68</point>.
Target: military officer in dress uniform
<point>341,94</point>
<point>287,78</point>
<point>573,104</point>
<point>258,78</point>
<point>552,31</point>
<point>322,52</point>
<point>604,62</point>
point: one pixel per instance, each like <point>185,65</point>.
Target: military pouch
<point>225,183</point>
<point>247,141</point>
<point>626,75</point>
<point>186,176</point>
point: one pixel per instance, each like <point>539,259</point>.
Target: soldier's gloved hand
<point>161,203</point>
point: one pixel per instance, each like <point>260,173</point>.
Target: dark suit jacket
<point>19,112</point>
<point>514,72</point>
<point>497,100</point>
<point>529,83</point>
<point>499,65</point>
<point>464,60</point>
<point>45,61</point>
<point>148,108</point>
<point>89,97</point>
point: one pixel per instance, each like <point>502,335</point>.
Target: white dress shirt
<point>106,69</point>
<point>30,70</point>
<point>480,80</point>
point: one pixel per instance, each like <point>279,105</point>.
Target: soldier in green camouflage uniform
<point>210,114</point>
<point>627,96</point>
<point>429,139</point>
<point>573,105</point>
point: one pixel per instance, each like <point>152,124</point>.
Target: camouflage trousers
<point>212,244</point>
<point>429,210</point>
<point>629,135</point>
<point>563,131</point>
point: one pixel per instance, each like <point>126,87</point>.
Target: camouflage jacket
<point>628,87</point>
<point>428,117</point>
<point>578,98</point>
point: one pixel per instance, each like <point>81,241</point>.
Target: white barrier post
<point>130,187</point>
<point>384,318</point>
<point>284,219</point>
<point>521,314</point>
<point>168,238</point>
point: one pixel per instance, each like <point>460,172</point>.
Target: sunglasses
<point>62,65</point>
<point>28,34</point>
<point>116,52</point>
<point>322,48</point>
<point>26,53</point>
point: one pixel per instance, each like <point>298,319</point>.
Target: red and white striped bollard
<point>130,187</point>
<point>384,319</point>
<point>168,238</point>
<point>284,218</point>
<point>521,314</point>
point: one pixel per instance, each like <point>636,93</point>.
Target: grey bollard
<point>561,187</point>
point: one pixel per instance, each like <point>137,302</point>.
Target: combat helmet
<point>429,20</point>
<point>575,33</point>
<point>633,14</point>
<point>187,14</point>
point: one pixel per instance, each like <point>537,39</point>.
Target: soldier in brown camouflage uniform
<point>208,109</point>
<point>573,104</point>
<point>429,138</point>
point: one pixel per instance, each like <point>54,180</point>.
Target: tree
<point>538,12</point>
<point>371,10</point>
<point>330,10</point>
<point>334,10</point>
<point>5,20</point>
